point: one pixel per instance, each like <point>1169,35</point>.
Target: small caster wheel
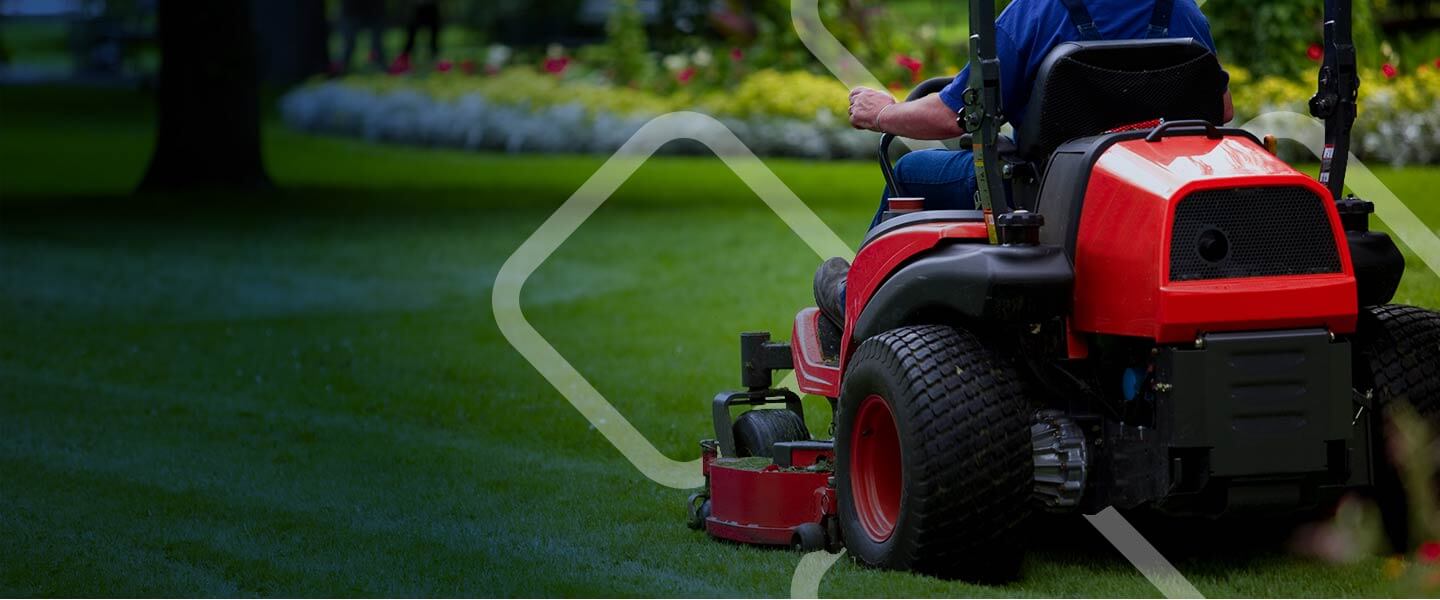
<point>809,537</point>
<point>697,510</point>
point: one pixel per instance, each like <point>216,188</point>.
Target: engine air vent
<point>1252,232</point>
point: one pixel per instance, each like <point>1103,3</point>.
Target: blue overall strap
<point>1080,16</point>
<point>1160,21</point>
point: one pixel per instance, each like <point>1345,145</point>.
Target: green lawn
<point>305,393</point>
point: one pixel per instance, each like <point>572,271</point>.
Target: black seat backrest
<point>1088,88</point>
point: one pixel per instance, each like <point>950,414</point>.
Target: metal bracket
<point>725,426</point>
<point>760,358</point>
<point>981,116</point>
<point>1337,95</point>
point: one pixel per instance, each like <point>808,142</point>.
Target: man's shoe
<point>830,289</point>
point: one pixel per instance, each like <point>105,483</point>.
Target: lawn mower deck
<point>784,501</point>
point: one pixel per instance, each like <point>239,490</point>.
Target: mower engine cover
<point>1175,236</point>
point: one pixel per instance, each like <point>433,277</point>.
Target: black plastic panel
<point>921,218</point>
<point>1263,403</point>
<point>1024,284</point>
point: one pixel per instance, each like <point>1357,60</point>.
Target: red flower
<point>910,64</point>
<point>1437,63</point>
<point>1429,552</point>
<point>556,66</point>
<point>737,55</point>
<point>685,75</point>
<point>1315,52</point>
<point>467,66</point>
<point>401,65</point>
<point>444,66</point>
<point>1389,70</point>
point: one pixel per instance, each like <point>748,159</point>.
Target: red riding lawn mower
<point>1162,316</point>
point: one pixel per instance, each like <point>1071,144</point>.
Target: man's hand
<point>865,107</point>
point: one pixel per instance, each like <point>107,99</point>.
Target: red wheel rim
<point>875,468</point>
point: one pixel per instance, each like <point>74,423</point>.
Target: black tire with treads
<point>963,427</point>
<point>1401,349</point>
<point>1397,357</point>
<point>756,431</point>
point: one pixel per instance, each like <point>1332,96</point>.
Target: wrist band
<point>881,115</point>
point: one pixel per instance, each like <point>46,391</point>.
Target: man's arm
<point>925,119</point>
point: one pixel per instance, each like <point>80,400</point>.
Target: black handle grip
<point>927,87</point>
<point>885,167</point>
<point>1211,131</point>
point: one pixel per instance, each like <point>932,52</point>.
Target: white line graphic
<point>568,218</point>
<point>1163,575</point>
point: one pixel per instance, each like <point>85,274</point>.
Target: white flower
<point>702,57</point>
<point>676,62</point>
<point>497,55</point>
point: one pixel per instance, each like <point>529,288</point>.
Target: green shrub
<point>794,94</point>
<point>626,47</point>
<point>1274,37</point>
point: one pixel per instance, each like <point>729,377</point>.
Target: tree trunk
<point>208,131</point>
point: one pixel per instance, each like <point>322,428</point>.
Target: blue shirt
<point>1029,29</point>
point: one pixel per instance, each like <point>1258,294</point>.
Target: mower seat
<point>1088,88</point>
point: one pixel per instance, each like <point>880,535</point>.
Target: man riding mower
<point>1143,309</point>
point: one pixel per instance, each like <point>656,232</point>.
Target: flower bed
<point>775,114</point>
<point>797,114</point>
<point>1399,119</point>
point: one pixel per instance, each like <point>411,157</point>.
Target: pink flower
<point>556,66</point>
<point>444,66</point>
<point>1389,70</point>
<point>737,55</point>
<point>467,66</point>
<point>685,75</point>
<point>1429,552</point>
<point>1315,52</point>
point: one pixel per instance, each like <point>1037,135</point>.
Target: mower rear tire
<point>933,451</point>
<point>757,431</point>
<point>1400,346</point>
<point>1397,359</point>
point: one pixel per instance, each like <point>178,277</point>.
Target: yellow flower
<point>1394,567</point>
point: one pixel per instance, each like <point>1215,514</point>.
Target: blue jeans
<point>944,178</point>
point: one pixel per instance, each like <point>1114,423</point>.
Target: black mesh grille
<point>1252,232</point>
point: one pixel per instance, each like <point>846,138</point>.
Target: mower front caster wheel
<point>809,537</point>
<point>697,510</point>
<point>757,431</point>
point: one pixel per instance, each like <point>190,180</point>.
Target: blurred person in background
<point>426,14</point>
<point>358,15</point>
